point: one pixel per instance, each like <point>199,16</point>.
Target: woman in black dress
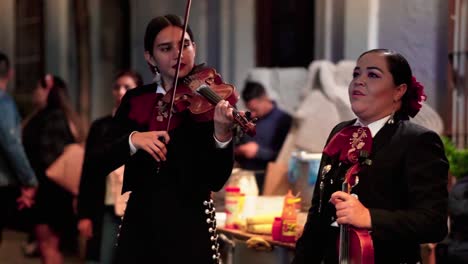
<point>45,136</point>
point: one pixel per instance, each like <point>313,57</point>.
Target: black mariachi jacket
<point>405,190</point>
<point>167,215</point>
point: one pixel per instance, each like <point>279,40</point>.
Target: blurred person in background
<point>99,210</point>
<point>53,126</point>
<point>15,169</point>
<point>273,124</point>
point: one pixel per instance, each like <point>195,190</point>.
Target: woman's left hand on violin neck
<point>349,210</point>
<point>223,121</point>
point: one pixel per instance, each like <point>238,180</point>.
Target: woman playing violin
<point>170,217</point>
<point>399,171</point>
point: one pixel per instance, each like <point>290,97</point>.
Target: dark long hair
<point>159,23</point>
<point>58,98</point>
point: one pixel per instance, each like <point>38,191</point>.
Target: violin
<point>354,244</point>
<point>200,92</point>
<point>209,85</point>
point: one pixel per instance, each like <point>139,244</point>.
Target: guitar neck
<point>343,256</point>
<point>344,245</point>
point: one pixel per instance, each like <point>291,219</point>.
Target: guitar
<point>355,245</point>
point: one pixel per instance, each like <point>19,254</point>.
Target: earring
<point>157,76</point>
<point>391,121</point>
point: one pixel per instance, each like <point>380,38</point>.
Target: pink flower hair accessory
<point>415,97</point>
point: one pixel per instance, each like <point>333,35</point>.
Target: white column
<point>329,29</point>
<point>373,36</point>
<point>60,45</point>
<point>237,40</point>
<point>58,28</point>
<point>361,27</point>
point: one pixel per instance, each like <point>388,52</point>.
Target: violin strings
<point>214,98</point>
<point>206,91</point>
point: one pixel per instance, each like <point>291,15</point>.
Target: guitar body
<point>355,245</point>
<point>361,247</point>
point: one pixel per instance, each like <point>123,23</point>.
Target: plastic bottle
<point>277,229</point>
<point>245,180</point>
<point>232,204</point>
<point>249,188</point>
<point>289,217</point>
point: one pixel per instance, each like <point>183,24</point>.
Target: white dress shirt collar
<point>375,126</point>
<point>160,89</point>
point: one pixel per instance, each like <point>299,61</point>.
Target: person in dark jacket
<point>254,153</point>
<point>398,184</point>
<point>98,219</point>
<point>170,216</point>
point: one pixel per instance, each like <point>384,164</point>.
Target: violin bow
<point>179,57</point>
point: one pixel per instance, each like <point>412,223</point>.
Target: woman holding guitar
<point>382,189</point>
